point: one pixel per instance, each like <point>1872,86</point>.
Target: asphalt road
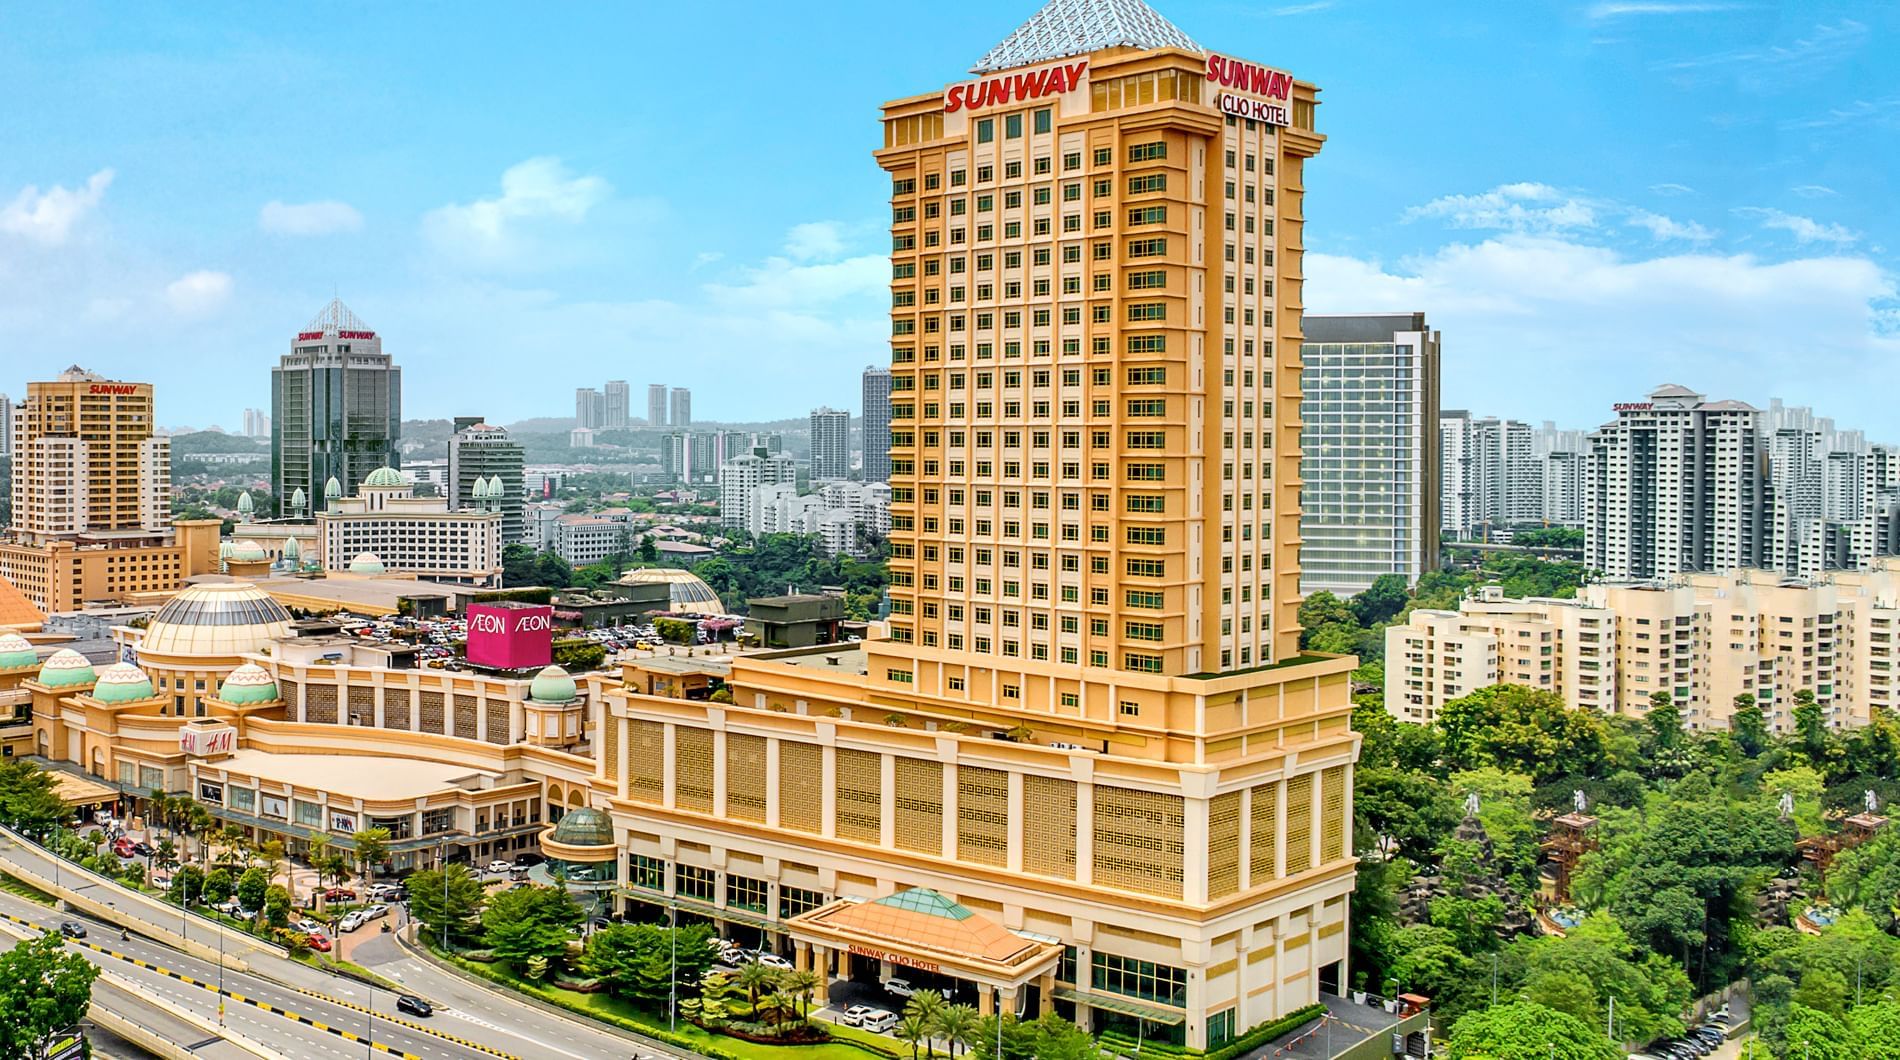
<point>490,1021</point>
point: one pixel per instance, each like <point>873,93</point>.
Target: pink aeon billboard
<point>510,635</point>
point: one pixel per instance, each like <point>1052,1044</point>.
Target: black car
<point>414,1005</point>
<point>72,930</point>
<point>142,849</point>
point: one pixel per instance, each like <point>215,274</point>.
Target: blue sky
<point>1589,196</point>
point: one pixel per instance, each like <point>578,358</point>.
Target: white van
<point>879,1022</point>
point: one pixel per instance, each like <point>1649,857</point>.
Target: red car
<point>318,942</point>
<point>122,847</point>
<point>340,894</point>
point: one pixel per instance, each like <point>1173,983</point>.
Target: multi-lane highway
<point>305,1011</point>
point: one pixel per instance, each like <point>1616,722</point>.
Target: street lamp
<point>673,966</point>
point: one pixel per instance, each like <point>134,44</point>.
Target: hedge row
<point>1267,1032</point>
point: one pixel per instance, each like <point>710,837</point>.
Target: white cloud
<point>1804,229</point>
<point>815,239</point>
<point>1770,68</point>
<point>1593,326</point>
<point>1813,191</point>
<point>309,218</point>
<point>48,217</point>
<point>1520,207</point>
<point>1618,8</point>
<point>536,193</point>
<point>200,293</point>
<point>1671,189</point>
<point>1304,9</point>
<point>1664,229</point>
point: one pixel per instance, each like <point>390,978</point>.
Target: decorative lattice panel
<point>1299,824</point>
<point>745,777</point>
<point>646,761</point>
<point>319,705</point>
<point>1138,843</point>
<point>1332,814</point>
<point>801,780</point>
<point>396,707</point>
<point>1223,845</point>
<point>918,810</point>
<point>983,815</point>
<point>693,769</point>
<point>1049,827</point>
<point>1264,834</point>
<point>859,796</point>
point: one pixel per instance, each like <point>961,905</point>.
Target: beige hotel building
<point>1087,770</point>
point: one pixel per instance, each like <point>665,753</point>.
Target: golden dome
<point>219,618</point>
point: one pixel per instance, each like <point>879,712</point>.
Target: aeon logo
<point>486,623</point>
<point>532,623</point>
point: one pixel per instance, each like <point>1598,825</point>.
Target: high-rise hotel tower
<point>1095,471</point>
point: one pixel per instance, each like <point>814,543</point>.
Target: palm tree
<point>319,845</point>
<point>913,1030</point>
<point>782,1003</point>
<point>200,822</point>
<point>801,984</point>
<point>753,978</point>
<point>924,1005</point>
<point>955,1025</point>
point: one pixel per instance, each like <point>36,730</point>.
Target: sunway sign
<point>1632,406</point>
<point>307,336</point>
<point>509,635</point>
<point>1251,80</point>
<point>1015,88</point>
<point>113,388</point>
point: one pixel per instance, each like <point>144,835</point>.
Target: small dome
<point>585,827</point>
<point>495,488</point>
<point>122,683</point>
<point>245,504</point>
<point>297,498</point>
<point>686,591</point>
<point>479,491</point>
<point>249,683</point>
<point>17,652</point>
<point>552,685</point>
<point>384,477</point>
<point>332,489</point>
<point>65,668</point>
<point>292,550</point>
<point>225,548</point>
<point>248,551</point>
<point>366,563</point>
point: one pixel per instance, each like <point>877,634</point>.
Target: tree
<point>1320,610</point>
<point>526,923</point>
<point>912,1031</point>
<point>43,989</point>
<point>649,552</point>
<point>372,849</point>
<point>276,905</point>
<point>1748,726</point>
<point>187,884</point>
<point>1057,1039</point>
<point>801,984</point>
<point>219,883</point>
<point>1523,730</point>
<point>271,854</point>
<point>755,979</point>
<point>518,566</point>
<point>956,1026</point>
<point>1876,1028</point>
<point>450,896</point>
<point>251,887</point>
<point>1381,600</point>
<point>28,803</point>
<point>1524,1030</point>
<point>1810,727</point>
<point>1815,1035</point>
<point>552,571</point>
<point>634,960</point>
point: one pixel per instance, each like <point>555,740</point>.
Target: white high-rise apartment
<point>618,411</point>
<point>877,423</point>
<point>743,476</point>
<point>1675,483</point>
<point>682,407</point>
<point>6,425</point>
<point>830,444</point>
<point>1369,450</point>
<point>656,404</point>
<point>590,408</point>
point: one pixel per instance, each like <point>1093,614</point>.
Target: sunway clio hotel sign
<point>1243,89</point>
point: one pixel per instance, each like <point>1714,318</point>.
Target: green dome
<point>366,563</point>
<point>247,551</point>
<point>297,498</point>
<point>66,668</point>
<point>480,490</point>
<point>585,827</point>
<point>552,685</point>
<point>17,652</point>
<point>249,683</point>
<point>495,488</point>
<point>225,548</point>
<point>384,476</point>
<point>292,550</point>
<point>245,504</point>
<point>122,683</point>
<point>332,489</point>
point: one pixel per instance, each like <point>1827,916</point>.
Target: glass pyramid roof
<point>1077,27</point>
<point>926,901</point>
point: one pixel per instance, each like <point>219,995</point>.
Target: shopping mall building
<point>1084,769</point>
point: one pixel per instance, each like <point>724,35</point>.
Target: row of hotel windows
<point>1153,151</point>
<point>1041,195</point>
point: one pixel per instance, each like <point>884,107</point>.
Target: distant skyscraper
<point>830,444</point>
<point>1489,476</point>
<point>590,408</point>
<point>1675,483</point>
<point>877,424</point>
<point>619,409</point>
<point>336,407</point>
<point>682,407</point>
<point>1369,450</point>
<point>256,423</point>
<point>656,404</point>
<point>485,473</point>
<point>6,425</point>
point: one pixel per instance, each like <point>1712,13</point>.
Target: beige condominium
<point>1087,770</point>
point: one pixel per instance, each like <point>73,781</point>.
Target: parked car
<point>350,922</point>
<point>142,849</point>
<point>773,960</point>
<point>414,1005</point>
<point>375,912</point>
<point>340,894</point>
<point>319,941</point>
<point>499,866</point>
<point>854,1016</point>
<point>123,847</point>
<point>307,925</point>
<point>72,929</point>
<point>883,1021</point>
<point>899,987</point>
<point>528,861</point>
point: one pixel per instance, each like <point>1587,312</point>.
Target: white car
<point>501,866</point>
<point>899,987</point>
<point>375,912</point>
<point>880,1021</point>
<point>350,922</point>
<point>773,960</point>
<point>857,1014</point>
<point>308,927</point>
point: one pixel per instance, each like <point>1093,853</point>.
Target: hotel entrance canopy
<point>920,928</point>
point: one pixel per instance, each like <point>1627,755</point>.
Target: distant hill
<point>217,442</point>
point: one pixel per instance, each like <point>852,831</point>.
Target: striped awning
<point>1125,1006</point>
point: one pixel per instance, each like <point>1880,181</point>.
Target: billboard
<point>510,635</point>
